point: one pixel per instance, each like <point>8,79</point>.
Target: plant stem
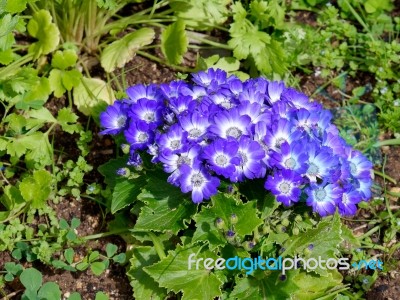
<point>157,245</point>
<point>105,234</point>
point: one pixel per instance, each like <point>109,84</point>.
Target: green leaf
<point>67,119</point>
<point>109,169</point>
<point>64,59</point>
<point>69,255</point>
<point>174,42</point>
<point>166,207</point>
<point>75,222</point>
<point>325,238</point>
<point>42,114</point>
<point>31,279</point>
<point>36,189</point>
<point>42,28</point>
<point>172,273</point>
<point>118,53</point>
<point>15,6</point>
<point>98,267</point>
<point>125,193</point>
<point>120,258</point>
<point>111,249</point>
<point>223,206</point>
<point>49,290</point>
<point>75,296</point>
<point>101,296</point>
<point>143,285</point>
<point>268,286</point>
<point>91,93</point>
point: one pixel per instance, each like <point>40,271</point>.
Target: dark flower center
<point>279,142</point>
<point>234,132</point>
<point>221,160</point>
<point>194,133</point>
<point>197,180</point>
<point>320,194</point>
<point>290,163</point>
<point>284,187</point>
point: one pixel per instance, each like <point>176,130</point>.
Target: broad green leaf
<point>173,273</point>
<point>31,279</point>
<point>16,6</point>
<point>267,286</point>
<point>12,198</point>
<point>75,296</point>
<point>36,189</point>
<point>6,57</point>
<point>42,114</point>
<point>69,255</point>
<point>109,169</point>
<point>37,93</point>
<point>62,81</point>
<point>91,93</point>
<point>167,208</point>
<point>111,249</point>
<point>144,286</point>
<point>101,296</point>
<point>42,28</point>
<point>325,240</point>
<point>98,267</point>
<point>64,59</point>
<point>314,286</point>
<point>125,193</point>
<point>223,206</point>
<point>174,42</point>
<point>118,53</point>
<point>49,290</point>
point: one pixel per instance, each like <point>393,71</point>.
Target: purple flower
<point>230,124</point>
<point>285,185</point>
<point>323,198</point>
<point>182,104</point>
<point>199,181</point>
<point>299,100</point>
<point>140,91</point>
<point>251,165</point>
<point>221,156</point>
<point>275,90</point>
<point>173,89</point>
<point>291,157</point>
<point>211,79</point>
<point>281,131</point>
<point>174,140</point>
<point>321,162</point>
<point>148,111</point>
<point>115,118</point>
<point>195,125</point>
<point>350,197</point>
<point>139,135</point>
<point>360,166</point>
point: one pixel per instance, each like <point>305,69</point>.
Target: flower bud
<point>123,172</point>
<point>230,235</point>
<point>248,245</point>
<point>266,229</point>
<point>295,231</point>
<point>285,222</point>
<point>280,228</point>
<point>219,223</point>
<point>125,148</point>
<point>234,219</point>
<point>298,218</point>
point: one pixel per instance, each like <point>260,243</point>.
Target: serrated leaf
<point>118,53</point>
<point>42,114</point>
<point>325,239</point>
<point>223,206</point>
<point>67,119</point>
<point>166,206</point>
<point>42,28</point>
<point>172,273</point>
<point>143,285</point>
<point>62,81</point>
<point>92,93</point>
<point>248,42</point>
<point>36,189</point>
<point>125,193</point>
<point>16,6</point>
<point>269,286</point>
<point>174,42</point>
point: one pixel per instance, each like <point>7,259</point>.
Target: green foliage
<point>36,189</point>
<point>174,42</point>
<point>32,280</point>
<point>118,53</point>
<point>47,33</point>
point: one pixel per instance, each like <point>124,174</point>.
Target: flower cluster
<point>220,128</point>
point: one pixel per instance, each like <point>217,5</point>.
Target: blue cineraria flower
<point>323,198</point>
<point>115,118</point>
<point>212,79</point>
<point>139,135</point>
<point>275,90</point>
<point>182,104</point>
<point>299,100</point>
<point>199,181</point>
<point>252,95</point>
<point>221,156</point>
<point>196,92</point>
<point>221,98</point>
<point>364,187</point>
<point>230,124</point>
<point>172,162</point>
<point>320,162</point>
<point>281,131</point>
<point>335,142</point>
<point>292,157</point>
<point>149,111</point>
<point>134,159</point>
<point>360,166</point>
<point>350,197</point>
<point>173,89</point>
<point>251,165</point>
<point>285,185</point>
<point>174,140</point>
<point>235,85</point>
<point>253,110</point>
<point>303,119</point>
<point>195,124</point>
<point>260,132</point>
<point>140,91</point>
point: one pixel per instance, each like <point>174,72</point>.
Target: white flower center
<point>290,163</point>
<point>279,142</point>
<point>243,158</point>
<point>234,132</point>
<point>221,160</point>
<point>320,194</point>
<point>197,180</point>
<point>149,117</point>
<point>194,133</point>
<point>121,121</point>
<point>142,137</point>
<point>183,160</point>
<point>312,169</point>
<point>284,187</point>
<point>175,144</point>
